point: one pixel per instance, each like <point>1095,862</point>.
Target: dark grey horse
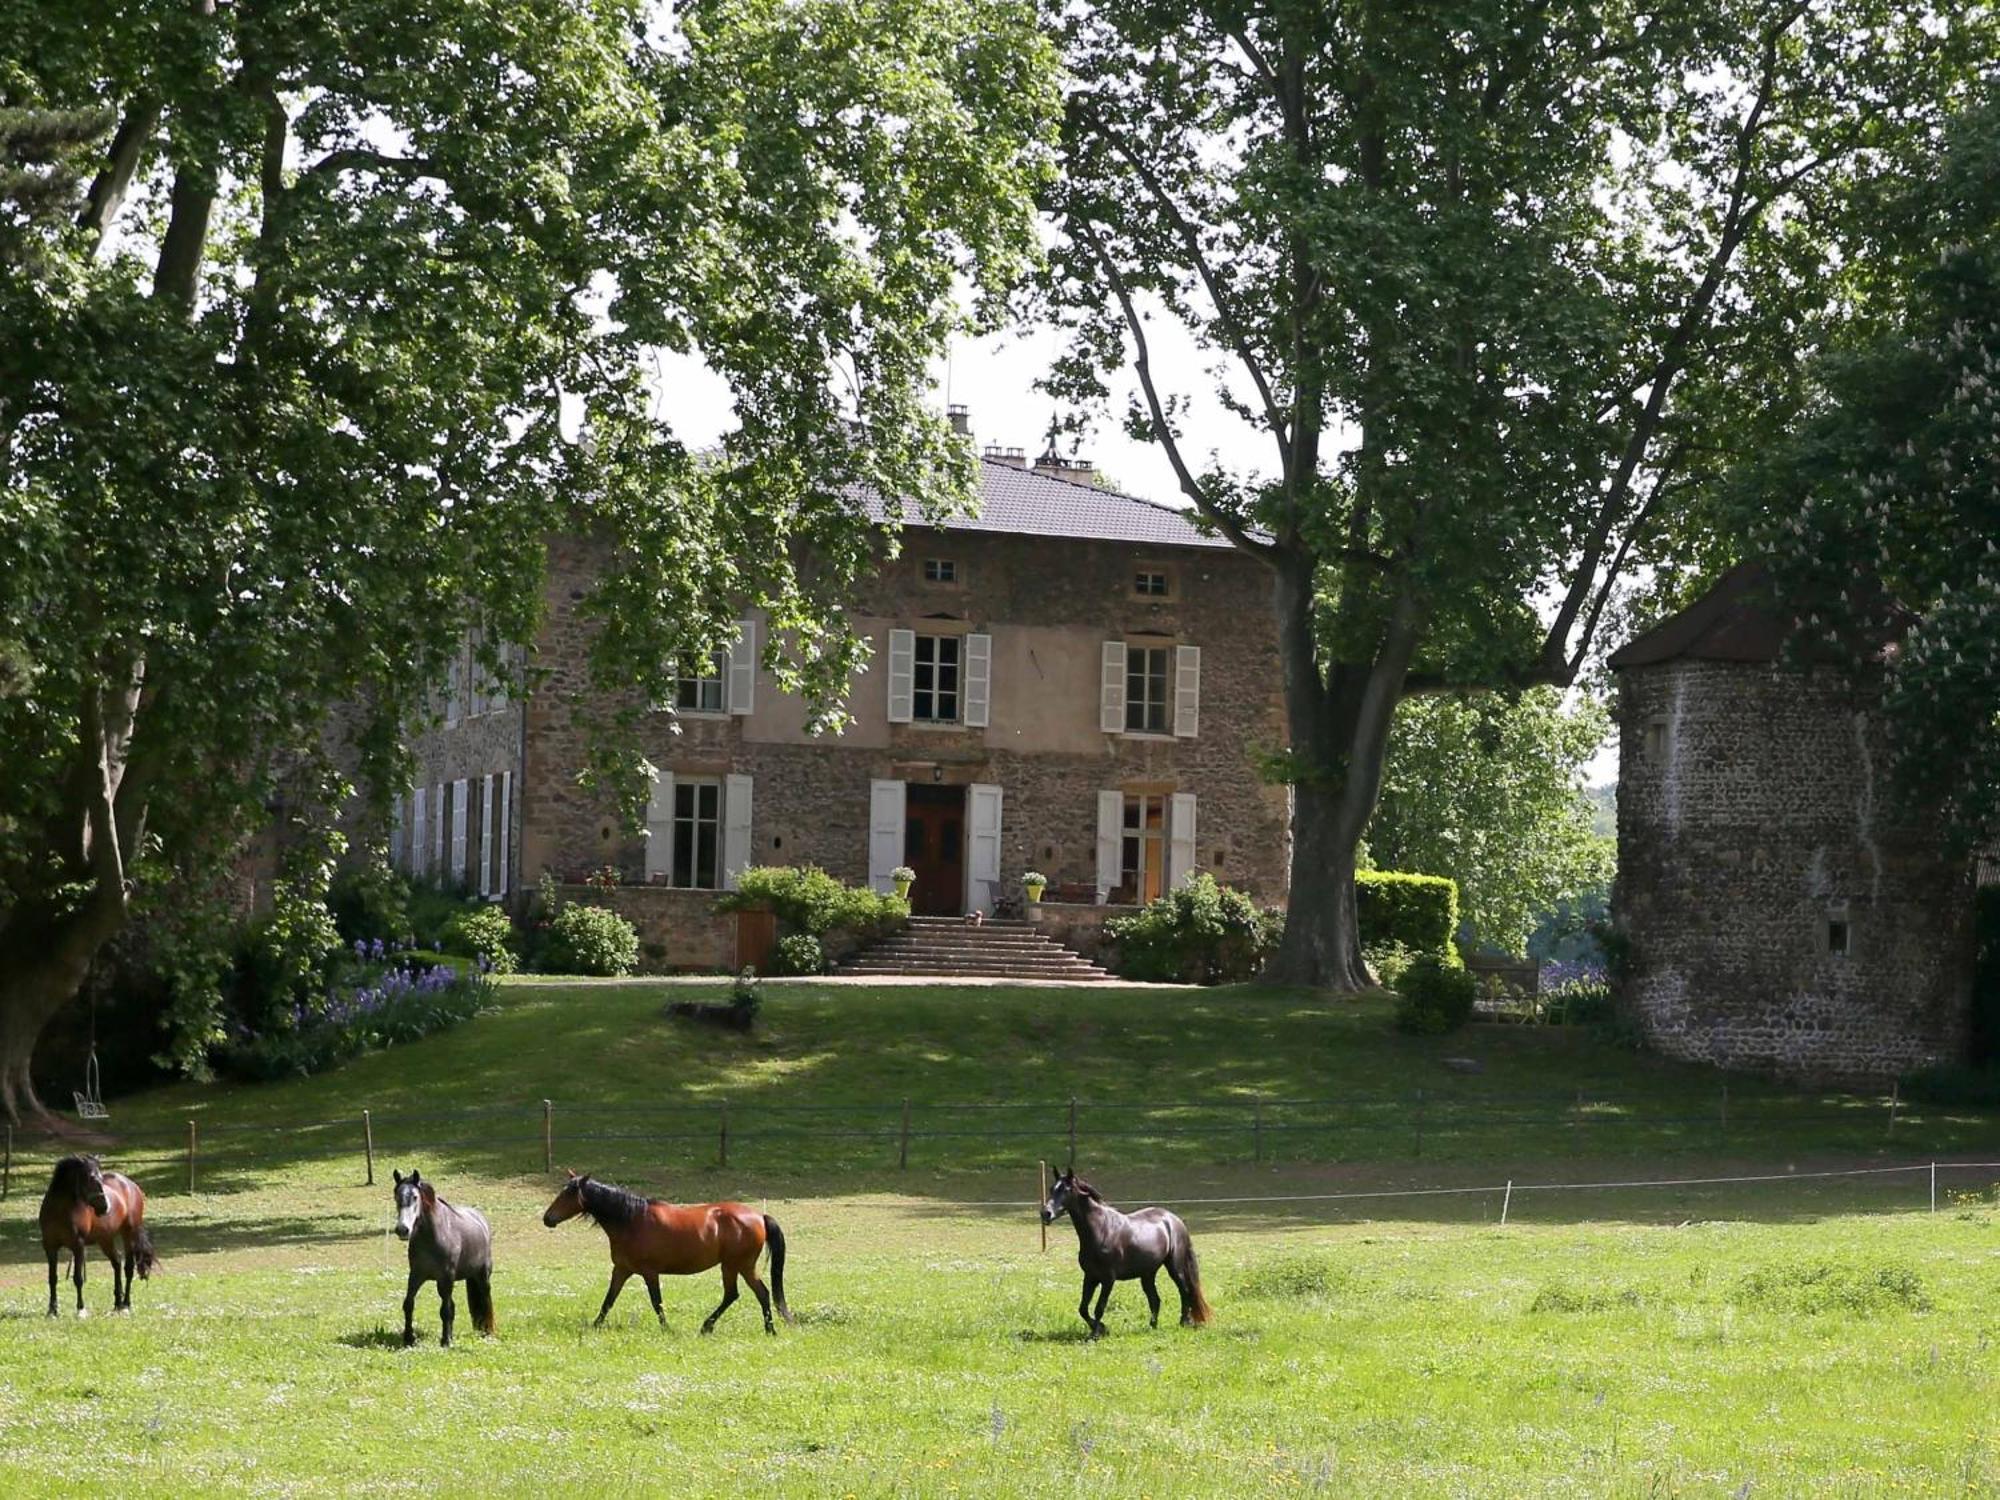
<point>1114,1247</point>
<point>447,1245</point>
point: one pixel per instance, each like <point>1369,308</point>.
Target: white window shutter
<point>660,827</point>
<point>1180,838</point>
<point>460,807</point>
<point>486,829</point>
<point>419,828</point>
<point>1187,692</point>
<point>506,830</point>
<point>982,868</point>
<point>885,832</point>
<point>440,816</point>
<point>735,828</point>
<point>1110,830</point>
<point>743,669</point>
<point>978,680</point>
<point>902,675</point>
<point>1111,709</point>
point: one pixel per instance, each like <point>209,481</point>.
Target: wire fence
<point>1417,1125</point>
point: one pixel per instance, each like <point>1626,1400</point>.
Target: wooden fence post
<point>903,1145</point>
<point>724,1144</point>
<point>1072,1132</point>
<point>1895,1088</point>
<point>368,1144</point>
<point>1933,1187</point>
<point>548,1135</point>
<point>190,1156</point>
<point>1506,1200</point>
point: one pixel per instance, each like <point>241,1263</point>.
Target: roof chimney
<point>1013,457</point>
<point>1076,468</point>
<point>960,417</point>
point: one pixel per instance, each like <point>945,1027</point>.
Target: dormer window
<point>940,570</point>
<point>1152,583</point>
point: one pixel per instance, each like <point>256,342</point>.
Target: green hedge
<point>1418,911</point>
<point>806,899</point>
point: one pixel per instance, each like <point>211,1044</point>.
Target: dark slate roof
<point>1021,502</point>
<point>1734,621</point>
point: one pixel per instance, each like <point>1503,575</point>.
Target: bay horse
<point>1114,1247</point>
<point>447,1244</point>
<point>84,1206</point>
<point>651,1238</point>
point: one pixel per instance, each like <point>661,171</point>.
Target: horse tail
<point>775,1238</point>
<point>479,1299</point>
<point>1194,1306</point>
<point>143,1258</point>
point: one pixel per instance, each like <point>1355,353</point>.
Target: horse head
<point>83,1177</point>
<point>1061,1191</point>
<point>414,1196</point>
<point>569,1202</point>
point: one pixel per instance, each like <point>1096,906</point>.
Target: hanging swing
<point>90,1099</point>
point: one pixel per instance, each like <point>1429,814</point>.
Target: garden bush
<point>1575,993</point>
<point>1434,997</point>
<point>1389,961</point>
<point>485,933</point>
<point>369,901</point>
<point>805,899</point>
<point>398,1000</point>
<point>1201,932</point>
<point>798,953</point>
<point>583,939</point>
<point>1418,911</point>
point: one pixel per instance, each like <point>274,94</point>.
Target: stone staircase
<point>950,947</point>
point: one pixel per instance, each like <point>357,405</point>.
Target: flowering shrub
<point>390,999</point>
<point>808,900</point>
<point>798,953</point>
<point>1200,932</point>
<point>485,934</point>
<point>1575,992</point>
<point>588,940</point>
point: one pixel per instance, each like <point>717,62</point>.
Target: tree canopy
<point>1495,286</point>
<point>289,403</point>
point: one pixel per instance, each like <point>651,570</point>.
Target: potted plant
<point>903,877</point>
<point>1033,884</point>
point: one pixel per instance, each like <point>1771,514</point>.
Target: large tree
<point>290,401</point>
<point>1491,282</point>
<point>1489,791</point>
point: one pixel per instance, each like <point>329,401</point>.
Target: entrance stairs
<point>950,947</point>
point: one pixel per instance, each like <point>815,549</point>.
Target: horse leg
<point>1083,1307</point>
<point>618,1278</point>
<point>1150,1281</point>
<point>1103,1298</point>
<point>410,1308</point>
<point>763,1300</point>
<point>76,1275</point>
<point>447,1310</point>
<point>131,1267</point>
<point>653,1291</point>
<point>729,1295</point>
<point>53,1279</point>
<point>117,1278</point>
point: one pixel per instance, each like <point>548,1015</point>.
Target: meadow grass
<point>1818,1336</point>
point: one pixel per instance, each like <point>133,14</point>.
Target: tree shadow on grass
<point>174,1238</point>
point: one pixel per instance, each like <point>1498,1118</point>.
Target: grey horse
<point>447,1245</point>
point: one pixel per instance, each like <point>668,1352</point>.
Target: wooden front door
<point>934,846</point>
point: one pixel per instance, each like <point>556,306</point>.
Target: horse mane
<point>1084,1190</point>
<point>608,1204</point>
<point>66,1167</point>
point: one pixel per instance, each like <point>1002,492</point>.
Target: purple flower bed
<point>379,999</point>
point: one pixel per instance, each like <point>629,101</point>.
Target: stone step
<point>981,945</point>
<point>968,971</point>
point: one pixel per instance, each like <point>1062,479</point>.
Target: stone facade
<point>1039,609</point>
<point>1781,914</point>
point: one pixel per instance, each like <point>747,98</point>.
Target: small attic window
<point>1656,739</point>
<point>1839,933</point>
<point>1152,583</point>
<point>940,570</point>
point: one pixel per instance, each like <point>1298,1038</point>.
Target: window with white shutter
<point>1111,704</point>
<point>660,828</point>
<point>743,670</point>
<point>735,828</point>
<point>1187,691</point>
<point>501,887</point>
<point>440,823</point>
<point>978,680</point>
<point>885,832</point>
<point>982,843</point>
<point>486,832</point>
<point>902,675</point>
<point>1110,828</point>
<point>419,829</point>
<point>461,809</point>
<point>1180,838</point>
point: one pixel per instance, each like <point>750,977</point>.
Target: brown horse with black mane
<point>84,1206</point>
<point>651,1238</point>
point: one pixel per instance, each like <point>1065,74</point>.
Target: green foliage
<point>798,953</point>
<point>378,1007</point>
<point>370,900</point>
<point>1200,932</point>
<point>1434,997</point>
<point>809,901</point>
<point>1489,791</point>
<point>1389,961</point>
<point>484,933</point>
<point>584,939</point>
<point>1418,911</point>
<point>1985,1029</point>
<point>1827,1286</point>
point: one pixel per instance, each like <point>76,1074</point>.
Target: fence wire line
<point>1536,1187</point>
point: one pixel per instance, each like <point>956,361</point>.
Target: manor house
<point>1073,681</point>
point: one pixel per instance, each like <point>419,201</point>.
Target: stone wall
<point>679,931</point>
<point>1076,927</point>
<point>1753,816</point>
<point>1048,606</point>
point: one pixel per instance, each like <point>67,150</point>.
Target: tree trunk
<point>1322,943</point>
<point>35,983</point>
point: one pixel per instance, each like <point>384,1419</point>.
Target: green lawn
<point>1822,1335</point>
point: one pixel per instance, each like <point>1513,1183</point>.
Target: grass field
<point>1816,1336</point>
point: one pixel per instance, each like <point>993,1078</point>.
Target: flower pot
<point>903,889</point>
<point>1032,892</point>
